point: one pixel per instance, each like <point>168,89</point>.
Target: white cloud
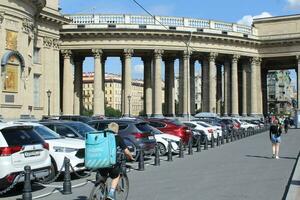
<point>293,4</point>
<point>248,19</point>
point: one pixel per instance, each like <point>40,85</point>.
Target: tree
<point>111,112</point>
<point>87,112</point>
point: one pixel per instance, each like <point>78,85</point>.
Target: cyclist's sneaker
<point>111,196</point>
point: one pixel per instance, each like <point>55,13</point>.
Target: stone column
<point>180,87</point>
<point>192,86</point>
<point>226,88</point>
<point>157,93</point>
<point>254,63</point>
<point>123,86</point>
<point>298,82</point>
<point>98,89</point>
<point>259,89</point>
<point>234,86</point>
<point>169,87</point>
<point>67,83</point>
<point>244,90</point>
<point>77,106</point>
<point>205,85</point>
<point>147,86</point>
<point>212,82</point>
<point>127,81</point>
<point>185,84</point>
<point>219,89</point>
<point>103,59</point>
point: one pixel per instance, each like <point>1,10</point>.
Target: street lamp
<point>129,98</point>
<point>49,95</point>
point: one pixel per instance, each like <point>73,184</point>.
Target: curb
<point>293,192</point>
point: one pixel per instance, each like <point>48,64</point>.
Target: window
<point>36,55</point>
<point>36,90</point>
<point>64,131</point>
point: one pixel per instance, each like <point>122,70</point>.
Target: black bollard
<point>222,139</point>
<point>206,143</point>
<point>181,155</point>
<point>212,141</point>
<point>190,150</point>
<point>27,184</point>
<point>157,159</point>
<point>67,185</point>
<point>218,140</point>
<point>199,143</point>
<point>141,160</point>
<point>231,135</point>
<point>170,152</point>
<point>227,138</point>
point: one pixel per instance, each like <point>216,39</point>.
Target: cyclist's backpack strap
<point>100,149</point>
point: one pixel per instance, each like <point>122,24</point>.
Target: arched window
<point>11,71</point>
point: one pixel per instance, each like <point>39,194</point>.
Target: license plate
<point>151,137</point>
<point>31,154</point>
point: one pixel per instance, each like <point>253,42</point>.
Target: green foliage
<point>111,112</point>
<point>87,112</point>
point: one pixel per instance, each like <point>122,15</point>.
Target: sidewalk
<point>294,187</point>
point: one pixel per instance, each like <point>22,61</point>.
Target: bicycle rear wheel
<point>99,192</point>
<point>122,188</point>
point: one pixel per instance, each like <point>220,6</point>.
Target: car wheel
<point>53,171</point>
<point>162,149</point>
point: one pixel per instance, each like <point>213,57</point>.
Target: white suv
<point>20,145</point>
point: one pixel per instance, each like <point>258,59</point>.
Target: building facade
<point>113,93</point>
<point>44,51</point>
<point>280,92</point>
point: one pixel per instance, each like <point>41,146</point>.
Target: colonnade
<point>220,78</point>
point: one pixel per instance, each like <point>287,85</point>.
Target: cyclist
<point>114,171</point>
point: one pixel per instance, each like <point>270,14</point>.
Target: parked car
<point>163,139</point>
<point>134,132</point>
<point>21,145</point>
<point>173,127</point>
<point>70,129</point>
<point>202,126</point>
<point>78,118</point>
<point>61,147</point>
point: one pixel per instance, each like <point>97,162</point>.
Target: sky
<point>239,11</point>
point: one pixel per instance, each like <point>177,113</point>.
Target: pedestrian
<point>286,123</point>
<point>275,133</point>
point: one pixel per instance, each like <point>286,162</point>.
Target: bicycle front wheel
<point>99,192</point>
<point>122,188</point>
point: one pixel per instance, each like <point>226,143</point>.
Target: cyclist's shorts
<point>112,172</point>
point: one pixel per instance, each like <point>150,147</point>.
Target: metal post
<point>190,150</point>
<point>212,140</point>
<point>181,155</point>
<point>218,140</point>
<point>222,139</point>
<point>157,160</point>
<point>27,184</point>
<point>199,143</point>
<point>206,143</point>
<point>231,135</point>
<point>170,152</point>
<point>67,185</point>
<point>141,160</point>
<point>227,138</point>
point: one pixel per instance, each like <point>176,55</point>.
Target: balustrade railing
<point>158,20</point>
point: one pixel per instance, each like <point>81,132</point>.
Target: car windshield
<point>81,128</point>
<point>177,122</point>
<point>203,124</point>
<point>46,133</point>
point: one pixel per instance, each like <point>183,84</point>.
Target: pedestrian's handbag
<point>100,149</point>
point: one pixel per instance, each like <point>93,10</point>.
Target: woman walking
<point>275,133</point>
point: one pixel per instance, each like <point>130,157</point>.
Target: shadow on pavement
<point>81,198</point>
<point>295,183</point>
<point>270,157</point>
<point>18,190</point>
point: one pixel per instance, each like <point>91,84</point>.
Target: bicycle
<point>100,189</point>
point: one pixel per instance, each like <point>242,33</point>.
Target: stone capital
<point>1,17</point>
<point>298,58</point>
<point>97,53</point>
<point>158,53</point>
<point>128,53</point>
<point>66,53</point>
<point>212,56</point>
<point>48,42</point>
<point>235,58</point>
<point>27,25</point>
<point>255,61</point>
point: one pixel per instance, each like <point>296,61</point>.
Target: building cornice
<point>59,19</point>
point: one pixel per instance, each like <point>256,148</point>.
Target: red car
<point>172,127</point>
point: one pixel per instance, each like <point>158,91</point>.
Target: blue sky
<point>224,10</point>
